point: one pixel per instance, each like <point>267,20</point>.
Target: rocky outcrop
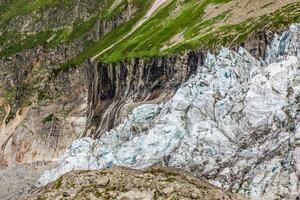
<point>42,107</point>
<point>121,183</point>
<point>43,129</point>
<point>115,89</point>
<point>257,44</point>
<point>235,122</point>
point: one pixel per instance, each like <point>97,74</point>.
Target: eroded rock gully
<point>115,89</point>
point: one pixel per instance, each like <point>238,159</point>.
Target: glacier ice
<point>234,123</point>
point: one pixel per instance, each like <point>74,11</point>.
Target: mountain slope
<point>179,26</point>
<point>122,71</point>
<point>155,27</point>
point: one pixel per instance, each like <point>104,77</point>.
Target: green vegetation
<point>149,40</point>
<point>12,41</point>
<point>13,8</point>
<point>58,183</point>
<point>28,42</point>
<point>49,39</point>
<point>41,198</point>
<point>170,179</point>
<point>115,35</point>
<point>98,194</point>
<point>151,37</point>
<point>183,18</point>
<point>49,118</point>
<point>227,35</point>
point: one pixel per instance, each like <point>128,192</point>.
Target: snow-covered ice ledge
<point>235,123</point>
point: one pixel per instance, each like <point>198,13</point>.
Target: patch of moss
<point>170,179</point>
<point>58,183</point>
<point>41,198</point>
<point>98,194</point>
<point>49,118</point>
<point>42,95</point>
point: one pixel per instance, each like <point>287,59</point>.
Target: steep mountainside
<point>42,110</point>
<point>44,98</point>
<point>210,86</point>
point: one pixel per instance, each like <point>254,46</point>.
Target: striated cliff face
<point>41,129</point>
<point>115,89</point>
<point>43,114</point>
<point>234,122</point>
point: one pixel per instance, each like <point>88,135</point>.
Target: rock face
<point>115,89</point>
<point>125,184</point>
<point>235,122</point>
<point>42,107</point>
<point>43,129</point>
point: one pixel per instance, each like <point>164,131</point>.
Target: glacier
<point>235,123</point>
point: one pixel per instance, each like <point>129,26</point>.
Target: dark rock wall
<point>115,88</point>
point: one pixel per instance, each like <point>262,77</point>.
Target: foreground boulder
<point>127,184</point>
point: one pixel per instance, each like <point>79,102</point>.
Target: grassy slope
<point>151,39</point>
<point>12,42</point>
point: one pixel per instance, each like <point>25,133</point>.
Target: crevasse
<point>234,123</point>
